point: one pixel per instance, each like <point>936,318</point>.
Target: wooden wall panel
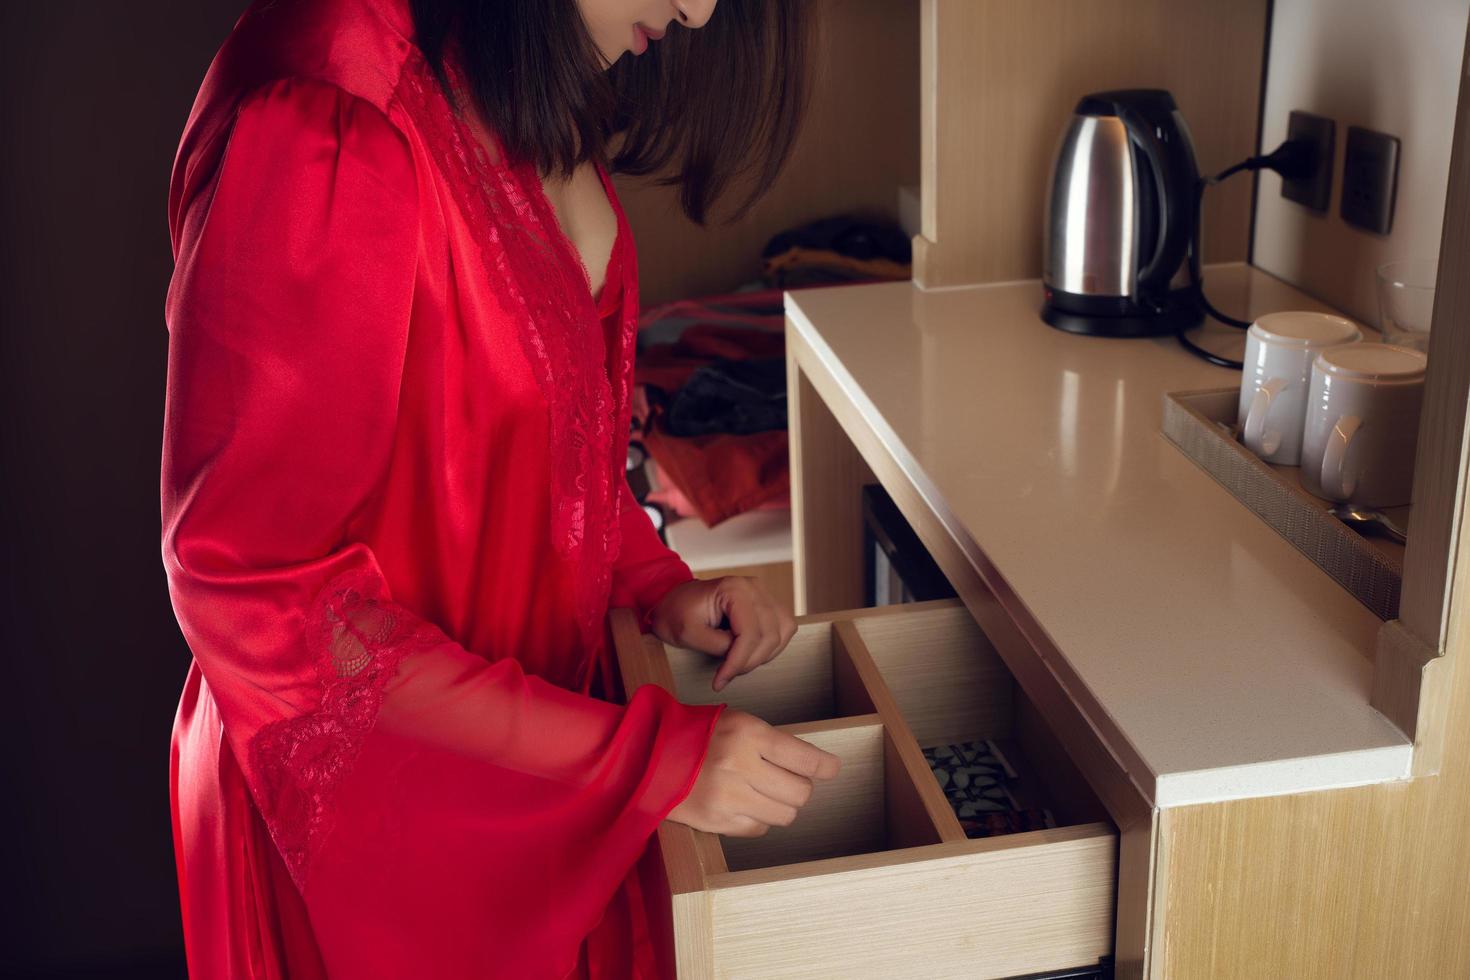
<point>1408,680</point>
<point>999,81</point>
<point>1437,476</point>
<point>859,144</point>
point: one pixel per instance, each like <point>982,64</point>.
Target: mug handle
<point>1255,436</point>
<point>1336,482</point>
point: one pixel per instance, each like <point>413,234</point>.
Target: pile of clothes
<point>709,406</point>
<point>836,250</point>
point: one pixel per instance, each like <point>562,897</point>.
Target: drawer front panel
<point>877,877</point>
<point>1024,907</point>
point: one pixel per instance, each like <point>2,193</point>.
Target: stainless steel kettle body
<point>1120,218</point>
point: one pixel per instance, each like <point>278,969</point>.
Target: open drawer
<point>877,877</point>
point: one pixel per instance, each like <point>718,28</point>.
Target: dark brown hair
<point>707,109</point>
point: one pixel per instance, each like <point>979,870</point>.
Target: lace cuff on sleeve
<point>358,637</point>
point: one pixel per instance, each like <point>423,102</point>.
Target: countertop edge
<point>1304,773</point>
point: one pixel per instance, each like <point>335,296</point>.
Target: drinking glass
<point>1406,302</point>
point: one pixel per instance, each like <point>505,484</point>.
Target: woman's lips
<point>642,35</point>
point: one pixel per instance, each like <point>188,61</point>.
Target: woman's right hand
<point>754,778</point>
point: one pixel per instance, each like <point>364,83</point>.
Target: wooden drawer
<point>876,878</point>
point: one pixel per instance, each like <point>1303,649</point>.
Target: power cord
<point>1294,159</point>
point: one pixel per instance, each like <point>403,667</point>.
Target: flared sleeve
<point>442,814</point>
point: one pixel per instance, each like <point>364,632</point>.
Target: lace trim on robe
<point>540,281</point>
<point>357,639</point>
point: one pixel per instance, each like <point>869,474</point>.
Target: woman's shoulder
<point>295,60</point>
<point>358,46</point>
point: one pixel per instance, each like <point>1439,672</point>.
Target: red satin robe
<point>393,520</point>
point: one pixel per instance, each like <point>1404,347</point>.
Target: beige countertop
<point>1230,663</point>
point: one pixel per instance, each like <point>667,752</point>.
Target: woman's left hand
<point>691,614</point>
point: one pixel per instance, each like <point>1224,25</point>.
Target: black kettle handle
<point>1175,175</point>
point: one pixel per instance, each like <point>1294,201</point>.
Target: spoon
<point>1363,516</point>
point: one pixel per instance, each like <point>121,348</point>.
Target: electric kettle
<point>1120,219</point>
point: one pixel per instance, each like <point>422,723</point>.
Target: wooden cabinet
<point>876,878</point>
<point>1267,822</point>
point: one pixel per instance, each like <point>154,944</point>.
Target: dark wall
<point>93,97</point>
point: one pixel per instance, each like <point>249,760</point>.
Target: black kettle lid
<point>1108,103</point>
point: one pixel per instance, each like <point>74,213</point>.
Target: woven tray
<point>1203,425</point>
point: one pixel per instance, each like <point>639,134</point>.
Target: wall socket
<point>1370,172</point>
<point>1315,190</point>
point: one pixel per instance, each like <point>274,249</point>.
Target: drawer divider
<point>917,806</point>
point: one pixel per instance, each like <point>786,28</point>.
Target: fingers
<point>788,626</point>
<point>800,757</point>
<point>706,639</point>
<point>761,628</point>
<point>774,795</point>
<point>745,625</point>
<point>770,796</point>
<point>743,827</point>
<point>772,813</point>
<point>754,777</point>
<point>770,643</point>
<point>781,785</point>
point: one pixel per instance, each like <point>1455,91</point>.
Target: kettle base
<point>1176,316</point>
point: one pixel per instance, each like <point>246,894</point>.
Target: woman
<point>394,515</point>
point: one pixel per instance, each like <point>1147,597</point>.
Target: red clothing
<point>394,518</point>
<point>721,474</point>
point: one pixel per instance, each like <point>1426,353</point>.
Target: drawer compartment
<point>851,814</point>
<point>952,688</point>
<point>877,877</point>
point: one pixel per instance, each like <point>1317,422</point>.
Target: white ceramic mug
<point>1363,424</point>
<point>1279,351</point>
